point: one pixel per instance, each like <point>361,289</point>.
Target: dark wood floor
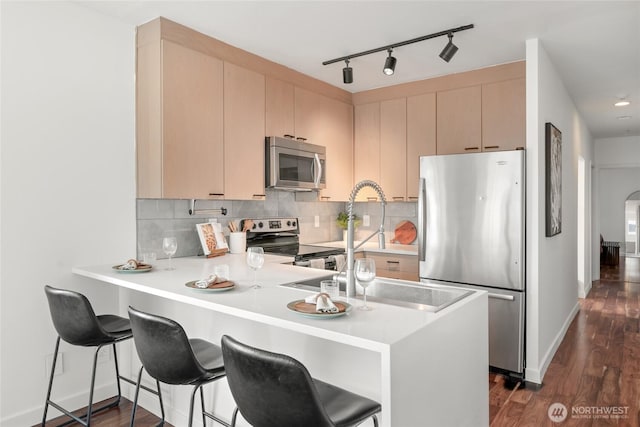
<point>115,417</point>
<point>596,367</point>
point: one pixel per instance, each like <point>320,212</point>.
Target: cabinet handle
<point>301,139</point>
<point>492,147</point>
<point>259,196</point>
<point>400,198</point>
<point>325,197</point>
<point>470,148</point>
<point>216,194</point>
<point>372,199</point>
<point>393,265</point>
<point>413,197</point>
<point>286,135</point>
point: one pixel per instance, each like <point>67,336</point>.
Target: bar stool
<point>273,390</point>
<point>169,356</point>
<point>77,324</point>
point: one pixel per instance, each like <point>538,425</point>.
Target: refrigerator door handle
<point>422,200</point>
<point>504,297</point>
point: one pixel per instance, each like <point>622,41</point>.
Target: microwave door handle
<point>318,169</point>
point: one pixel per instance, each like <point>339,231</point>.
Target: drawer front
<point>395,263</point>
<point>401,275</point>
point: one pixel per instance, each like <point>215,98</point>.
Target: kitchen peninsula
<point>423,367</point>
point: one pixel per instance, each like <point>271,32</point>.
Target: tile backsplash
<point>157,218</point>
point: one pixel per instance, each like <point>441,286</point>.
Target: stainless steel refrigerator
<point>471,235</point>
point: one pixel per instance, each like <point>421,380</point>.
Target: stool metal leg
<point>115,360</point>
<point>84,419</point>
<point>137,393</point>
<point>135,398</point>
<point>375,421</point>
<point>161,404</point>
<point>53,372</point>
<point>204,418</point>
<point>233,418</point>
<point>210,415</point>
<point>193,395</point>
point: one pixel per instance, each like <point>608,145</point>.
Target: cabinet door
<point>149,121</point>
<point>503,115</point>
<point>244,116</point>
<point>421,137</point>
<point>279,117</point>
<point>393,148</point>
<point>367,147</point>
<point>459,128</point>
<point>328,122</point>
<point>192,148</point>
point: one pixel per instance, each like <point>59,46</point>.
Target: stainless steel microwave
<point>294,165</point>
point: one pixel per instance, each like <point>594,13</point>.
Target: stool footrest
<point>81,419</point>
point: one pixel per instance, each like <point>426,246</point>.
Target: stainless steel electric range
<point>282,236</point>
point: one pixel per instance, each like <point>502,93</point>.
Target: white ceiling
<point>595,45</point>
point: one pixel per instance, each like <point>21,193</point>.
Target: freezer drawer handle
<point>504,297</point>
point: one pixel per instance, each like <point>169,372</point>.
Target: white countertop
<point>372,246</point>
<point>374,330</point>
<point>401,357</point>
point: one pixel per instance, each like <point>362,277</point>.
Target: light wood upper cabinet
<point>244,132</point>
<point>280,115</point>
<point>421,137</point>
<point>328,122</point>
<point>393,148</point>
<point>367,147</point>
<point>459,121</point>
<point>180,140</point>
<point>503,115</point>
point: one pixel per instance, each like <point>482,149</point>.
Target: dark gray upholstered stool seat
<point>170,357</point>
<point>77,324</point>
<point>274,390</point>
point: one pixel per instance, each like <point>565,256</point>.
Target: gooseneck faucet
<point>350,276</point>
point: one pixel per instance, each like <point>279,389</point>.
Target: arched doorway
<point>631,223</point>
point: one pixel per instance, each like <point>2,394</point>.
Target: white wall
<point>68,186</point>
<point>552,279</point>
<point>617,176</point>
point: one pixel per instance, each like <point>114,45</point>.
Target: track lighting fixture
<point>347,73</point>
<point>449,50</point>
<point>390,63</point>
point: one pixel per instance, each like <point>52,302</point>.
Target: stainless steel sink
<point>402,293</point>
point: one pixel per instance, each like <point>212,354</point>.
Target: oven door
<point>296,169</point>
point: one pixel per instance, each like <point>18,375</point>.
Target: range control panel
<point>273,225</point>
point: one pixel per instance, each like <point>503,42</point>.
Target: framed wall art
<point>553,180</point>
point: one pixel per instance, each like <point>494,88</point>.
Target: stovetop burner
<point>312,251</point>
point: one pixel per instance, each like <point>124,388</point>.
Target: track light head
<point>389,64</point>
<point>347,73</point>
<point>449,50</point>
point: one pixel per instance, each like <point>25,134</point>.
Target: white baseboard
<point>79,400</point>
<point>536,375</point>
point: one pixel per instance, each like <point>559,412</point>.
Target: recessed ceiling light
<point>624,117</point>
<point>622,103</point>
